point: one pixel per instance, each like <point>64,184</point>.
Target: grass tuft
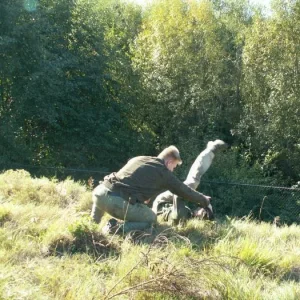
<point>81,236</point>
<point>5,215</point>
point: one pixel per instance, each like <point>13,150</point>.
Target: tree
<point>188,74</point>
<point>66,93</point>
<point>271,91</point>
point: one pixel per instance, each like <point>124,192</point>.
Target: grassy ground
<point>49,249</point>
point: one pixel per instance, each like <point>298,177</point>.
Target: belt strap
<point>114,194</point>
<point>113,191</point>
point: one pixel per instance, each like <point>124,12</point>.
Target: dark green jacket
<point>145,177</point>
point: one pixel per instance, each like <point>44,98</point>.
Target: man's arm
<point>180,189</point>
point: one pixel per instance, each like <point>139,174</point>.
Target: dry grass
<point>50,249</point>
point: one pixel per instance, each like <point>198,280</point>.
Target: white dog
<point>199,167</point>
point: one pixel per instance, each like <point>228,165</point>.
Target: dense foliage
<point>90,83</point>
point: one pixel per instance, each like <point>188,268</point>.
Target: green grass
<point>50,249</point>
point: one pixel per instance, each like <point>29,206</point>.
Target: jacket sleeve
<point>182,190</point>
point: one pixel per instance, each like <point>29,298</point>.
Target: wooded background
<point>91,83</point>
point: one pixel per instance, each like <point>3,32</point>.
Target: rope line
<point>253,185</point>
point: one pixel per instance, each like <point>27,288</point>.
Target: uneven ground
<point>49,249</point>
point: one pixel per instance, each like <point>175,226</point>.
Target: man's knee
<point>147,215</point>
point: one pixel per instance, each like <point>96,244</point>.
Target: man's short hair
<point>170,152</point>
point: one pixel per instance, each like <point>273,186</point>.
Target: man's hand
<point>147,201</point>
<point>208,198</point>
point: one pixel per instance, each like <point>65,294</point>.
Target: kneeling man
<point>124,194</point>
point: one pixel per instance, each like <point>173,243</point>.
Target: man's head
<point>171,157</point>
<point>216,146</point>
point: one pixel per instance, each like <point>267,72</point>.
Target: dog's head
<point>204,213</point>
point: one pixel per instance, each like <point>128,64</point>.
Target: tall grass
<point>50,249</point>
